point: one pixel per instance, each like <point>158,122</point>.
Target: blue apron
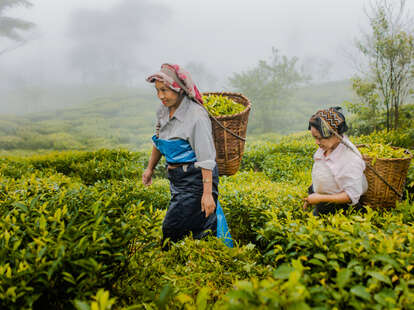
<point>175,151</point>
<point>184,214</point>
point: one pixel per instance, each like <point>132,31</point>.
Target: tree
<point>267,85</point>
<point>10,27</point>
<point>388,51</point>
<point>367,109</point>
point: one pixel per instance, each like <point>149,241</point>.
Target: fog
<point>119,42</point>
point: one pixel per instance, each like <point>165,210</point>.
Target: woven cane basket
<point>229,149</point>
<point>394,171</point>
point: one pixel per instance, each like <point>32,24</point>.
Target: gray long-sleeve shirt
<point>190,122</point>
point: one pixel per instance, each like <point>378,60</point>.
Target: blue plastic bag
<point>223,232</point>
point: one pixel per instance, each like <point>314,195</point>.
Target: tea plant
<point>79,230</point>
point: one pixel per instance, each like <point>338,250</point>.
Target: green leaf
<point>202,298</point>
<point>283,271</point>
<point>20,206</point>
<point>81,305</point>
<point>343,276</point>
<point>361,292</point>
<point>320,256</point>
<point>166,293</point>
<point>386,259</point>
<point>301,305</point>
<point>386,297</point>
<point>68,277</point>
<point>316,262</point>
<point>380,277</point>
<point>33,202</point>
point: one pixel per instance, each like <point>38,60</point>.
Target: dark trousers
<point>332,208</point>
<point>184,215</point>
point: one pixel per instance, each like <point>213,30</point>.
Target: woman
<point>338,178</point>
<point>184,137</point>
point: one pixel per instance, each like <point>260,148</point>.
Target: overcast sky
<point>225,35</point>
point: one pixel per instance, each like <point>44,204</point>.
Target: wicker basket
<point>394,171</point>
<point>229,148</point>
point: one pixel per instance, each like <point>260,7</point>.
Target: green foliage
<point>196,271</point>
<point>78,229</point>
<point>101,302</point>
<point>88,166</point>
<point>367,116</point>
<point>61,240</point>
<point>247,196</point>
<point>286,161</point>
<point>348,260</point>
<point>268,85</point>
<point>389,54</point>
<point>270,293</point>
<point>377,150</point>
<point>397,138</point>
<point>221,105</point>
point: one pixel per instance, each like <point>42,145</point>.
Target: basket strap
<point>359,155</point>
<point>221,125</point>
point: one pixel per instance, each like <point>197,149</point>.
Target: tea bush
<point>347,260</point>
<point>79,230</point>
<point>285,161</point>
<point>62,240</point>
<point>191,268</point>
<point>88,166</point>
<point>246,198</point>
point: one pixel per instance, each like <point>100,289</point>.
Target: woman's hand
<point>207,204</point>
<point>153,161</point>
<point>313,199</point>
<point>147,177</point>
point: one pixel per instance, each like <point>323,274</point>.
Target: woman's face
<point>168,97</point>
<point>326,144</point>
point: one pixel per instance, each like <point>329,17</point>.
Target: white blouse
<point>340,171</point>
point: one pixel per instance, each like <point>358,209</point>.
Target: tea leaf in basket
<point>221,105</point>
<point>376,150</point>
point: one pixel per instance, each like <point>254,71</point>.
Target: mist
<point>82,50</point>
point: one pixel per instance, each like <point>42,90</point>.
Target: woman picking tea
<point>338,179</point>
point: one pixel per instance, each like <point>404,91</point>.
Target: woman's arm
<point>153,161</point>
<point>207,201</point>
<point>333,198</point>
<point>202,143</point>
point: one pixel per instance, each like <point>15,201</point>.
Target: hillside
<point>126,120</point>
<point>103,122</point>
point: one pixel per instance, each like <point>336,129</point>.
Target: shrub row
<point>70,221</point>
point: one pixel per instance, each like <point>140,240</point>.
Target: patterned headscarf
<point>334,118</point>
<point>177,79</point>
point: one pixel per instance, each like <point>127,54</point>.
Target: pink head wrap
<point>177,79</point>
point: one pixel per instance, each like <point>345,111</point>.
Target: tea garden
<point>78,230</point>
